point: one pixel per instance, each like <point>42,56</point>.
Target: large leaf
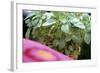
<point>65,28</point>
<point>79,25</point>
<point>87,38</point>
<point>49,22</point>
<point>76,22</point>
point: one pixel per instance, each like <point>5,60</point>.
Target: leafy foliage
<point>63,31</point>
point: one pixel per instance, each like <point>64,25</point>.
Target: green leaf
<point>55,42</point>
<point>39,23</point>
<point>61,44</point>
<point>85,17</point>
<point>68,38</point>
<point>63,21</point>
<point>27,21</point>
<point>71,49</point>
<point>67,52</point>
<point>87,38</point>
<point>49,22</point>
<point>47,15</point>
<point>86,20</point>
<point>62,17</point>
<point>70,15</point>
<point>31,14</point>
<point>65,28</point>
<point>77,39</point>
<point>58,34</point>
<point>35,17</point>
<point>27,35</point>
<point>79,25</point>
<point>35,22</point>
<point>29,24</point>
<point>76,22</point>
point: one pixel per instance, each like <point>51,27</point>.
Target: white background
<point>5,36</point>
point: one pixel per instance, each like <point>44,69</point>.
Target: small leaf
<point>29,24</point>
<point>68,38</point>
<point>77,39</point>
<point>27,21</point>
<point>63,21</point>
<point>55,42</point>
<point>49,22</point>
<point>62,17</point>
<point>74,20</point>
<point>62,44</point>
<point>39,23</point>
<point>70,15</point>
<point>71,49</point>
<point>35,22</point>
<point>65,28</point>
<point>87,38</point>
<point>58,34</point>
<point>27,35</point>
<point>34,17</point>
<point>41,40</point>
<point>86,20</point>
<point>31,14</point>
<point>67,52</point>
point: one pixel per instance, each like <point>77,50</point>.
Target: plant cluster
<point>60,30</point>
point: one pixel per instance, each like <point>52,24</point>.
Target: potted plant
<point>60,30</point>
